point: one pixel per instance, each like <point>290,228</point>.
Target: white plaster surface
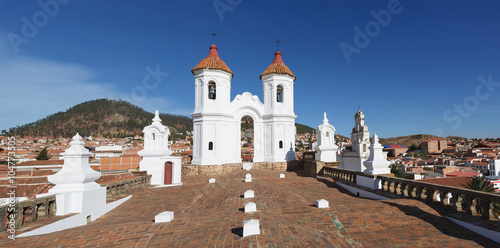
<point>249,194</point>
<point>326,147</point>
<point>247,166</point>
<point>165,216</point>
<point>376,163</point>
<point>156,154</point>
<point>211,180</point>
<point>251,227</point>
<point>362,193</point>
<point>250,207</point>
<point>369,182</point>
<point>282,175</point>
<point>248,178</point>
<point>322,203</point>
<point>70,222</point>
<point>75,187</point>
<point>495,236</point>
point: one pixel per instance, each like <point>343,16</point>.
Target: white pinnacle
<point>157,118</point>
<point>325,120</point>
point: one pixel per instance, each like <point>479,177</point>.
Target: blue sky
<point>433,67</point>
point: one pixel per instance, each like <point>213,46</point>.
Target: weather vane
<point>278,44</point>
<point>213,37</point>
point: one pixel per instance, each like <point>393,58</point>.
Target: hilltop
<point>408,140</point>
<point>106,118</point>
<point>100,118</point>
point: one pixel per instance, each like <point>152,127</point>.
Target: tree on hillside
<point>399,170</point>
<point>480,183</point>
<point>43,155</point>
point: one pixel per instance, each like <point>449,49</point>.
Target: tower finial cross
<point>213,34</point>
<point>278,44</point>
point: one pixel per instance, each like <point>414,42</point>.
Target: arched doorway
<point>247,138</point>
<point>167,179</point>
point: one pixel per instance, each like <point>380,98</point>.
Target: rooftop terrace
<point>210,215</point>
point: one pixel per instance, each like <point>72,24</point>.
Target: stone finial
<point>325,120</point>
<point>376,163</point>
<point>76,168</point>
<point>157,119</point>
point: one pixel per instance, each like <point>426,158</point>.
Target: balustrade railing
<point>451,198</point>
<point>27,211</point>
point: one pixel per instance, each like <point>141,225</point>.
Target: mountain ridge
<point>106,118</point>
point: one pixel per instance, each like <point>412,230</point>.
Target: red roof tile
<point>448,181</point>
<point>278,67</point>
<point>212,61</point>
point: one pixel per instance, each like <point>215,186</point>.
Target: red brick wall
<point>120,163</point>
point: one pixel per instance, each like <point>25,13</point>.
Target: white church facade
<point>217,119</point>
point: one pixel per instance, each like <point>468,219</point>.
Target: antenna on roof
<point>358,107</point>
<point>277,44</point>
<point>213,34</point>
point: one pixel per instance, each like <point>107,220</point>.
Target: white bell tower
<point>279,116</point>
<point>212,117</point>
<point>360,135</point>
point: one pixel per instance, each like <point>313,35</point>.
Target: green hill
<point>100,118</point>
<point>106,118</point>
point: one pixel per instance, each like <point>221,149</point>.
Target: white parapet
<point>322,203</point>
<point>251,227</point>
<point>250,207</point>
<point>211,180</point>
<point>248,178</point>
<point>165,216</point>
<point>249,194</point>
<point>282,175</point>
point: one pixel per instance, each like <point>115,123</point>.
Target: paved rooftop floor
<point>211,215</point>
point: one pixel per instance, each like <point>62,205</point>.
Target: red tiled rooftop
<point>462,174</point>
<point>448,181</point>
<point>41,162</point>
<point>210,215</point>
<point>278,67</point>
<point>212,61</point>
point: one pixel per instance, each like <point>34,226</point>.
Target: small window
<point>281,144</point>
<point>279,93</point>
<point>153,134</point>
<point>327,134</point>
<point>210,146</point>
<point>211,90</point>
<point>364,147</point>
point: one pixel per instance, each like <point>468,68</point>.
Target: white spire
<point>157,117</point>
<point>325,120</point>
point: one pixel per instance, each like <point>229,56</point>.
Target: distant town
<point>432,158</point>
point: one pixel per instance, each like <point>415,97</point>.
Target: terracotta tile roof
<point>448,181</point>
<point>462,174</point>
<point>42,162</point>
<point>212,61</point>
<point>278,67</point>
